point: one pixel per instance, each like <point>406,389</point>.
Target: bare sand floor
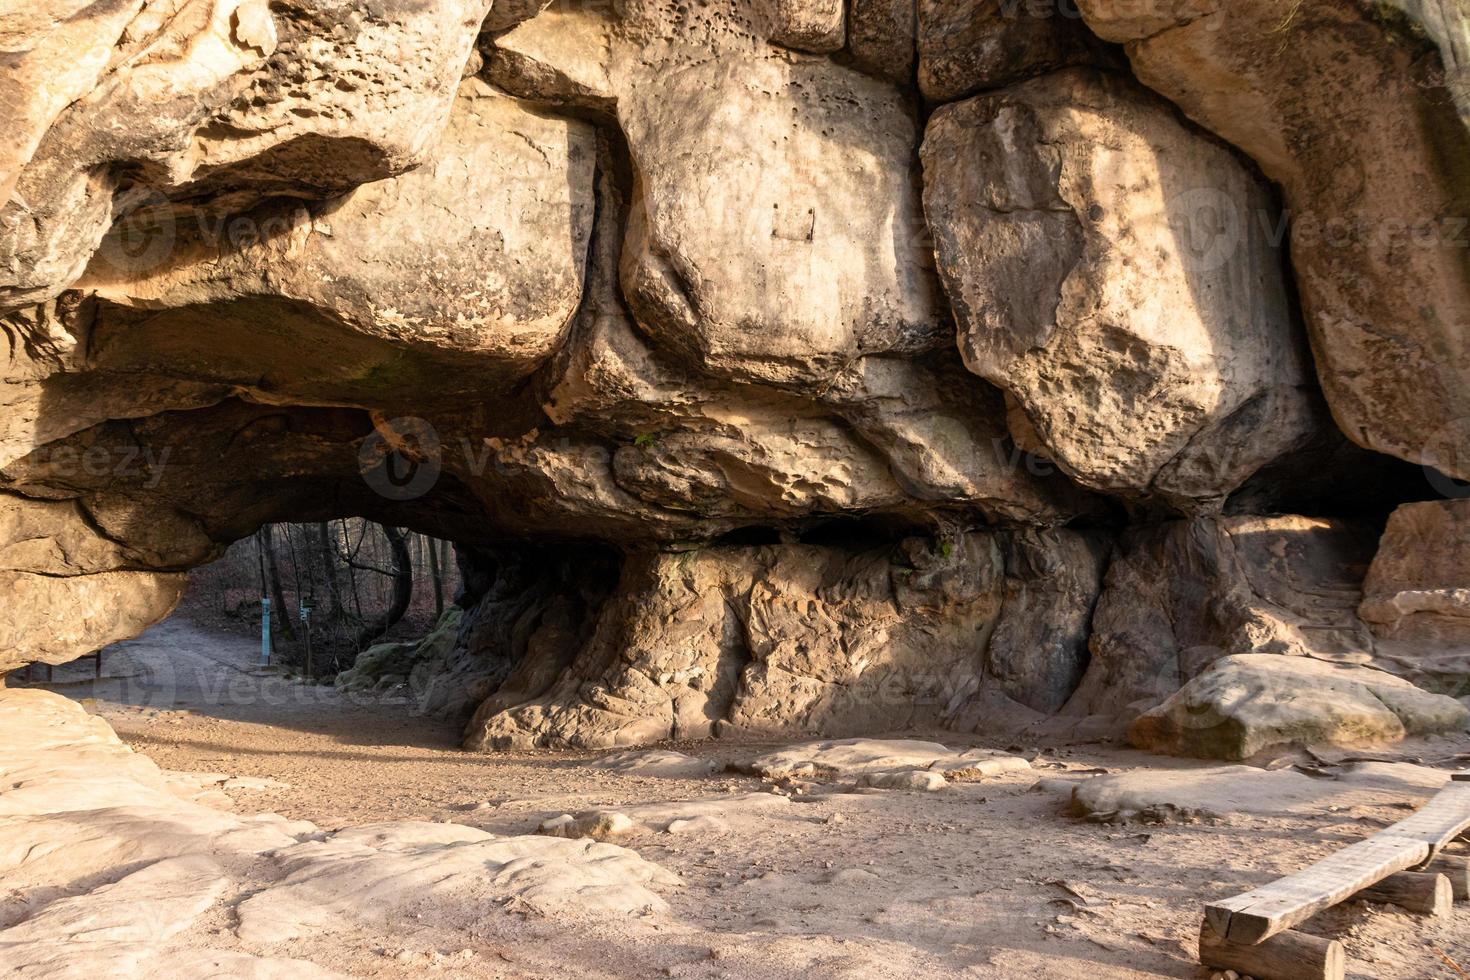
<point>982,879</point>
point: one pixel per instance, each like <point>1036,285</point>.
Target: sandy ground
<point>987,879</point>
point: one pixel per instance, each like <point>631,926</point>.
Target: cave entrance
<point>273,630</point>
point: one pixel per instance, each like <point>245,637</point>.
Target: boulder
<point>51,619</point>
<point>882,37</point>
<point>804,25</point>
<point>1149,351</point>
<point>967,46</point>
<point>471,266</point>
<point>1243,705</point>
<point>1359,111</point>
<point>213,105</point>
<point>1418,587</point>
<point>775,233</point>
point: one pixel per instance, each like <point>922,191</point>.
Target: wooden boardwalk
<point>1250,932</point>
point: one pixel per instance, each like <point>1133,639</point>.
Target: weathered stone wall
<point>923,360</point>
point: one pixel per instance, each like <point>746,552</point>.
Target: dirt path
<point>988,879</point>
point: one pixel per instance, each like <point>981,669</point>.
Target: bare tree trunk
<point>436,572</point>
<point>278,595</point>
<point>351,554</point>
<point>402,588</point>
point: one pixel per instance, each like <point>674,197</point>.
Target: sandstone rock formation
<point>1246,704</point>
<point>1364,127</point>
<point>119,869</point>
<point>1183,594</point>
<point>764,384</point>
<point>966,46</point>
<point>1223,791</point>
<point>1418,587</point>
<point>863,757</point>
<point>1146,350</point>
<point>798,637</point>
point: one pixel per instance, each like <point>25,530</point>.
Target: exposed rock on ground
<point>656,762</point>
<point>714,815</point>
<point>866,758</point>
<point>111,868</point>
<point>1243,705</point>
<point>1227,790</point>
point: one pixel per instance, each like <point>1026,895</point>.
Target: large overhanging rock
<point>47,619</point>
<point>129,108</point>
<point>775,232</point>
<point>1359,111</point>
<point>1183,594</point>
<point>1148,351</point>
<point>797,637</point>
<point>78,575</point>
<point>463,274</point>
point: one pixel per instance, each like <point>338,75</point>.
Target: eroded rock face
<point>1181,595</point>
<point>775,232</point>
<point>1364,126</point>
<point>967,46</point>
<point>799,637</point>
<point>1418,587</point>
<point>638,303</point>
<point>1147,352</point>
<point>472,262</point>
<point>225,101</point>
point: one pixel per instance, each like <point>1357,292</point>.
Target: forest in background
<point>366,583</point>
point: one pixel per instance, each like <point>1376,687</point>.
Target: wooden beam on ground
<point>1457,870</point>
<point>1285,956</point>
<point>1257,915</point>
<point>1439,821</point>
<point>1427,893</point>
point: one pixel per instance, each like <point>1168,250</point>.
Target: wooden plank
<point>1439,821</point>
<point>1288,956</point>
<point>1427,893</point>
<point>1256,915</point>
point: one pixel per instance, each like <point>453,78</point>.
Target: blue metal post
<point>265,632</point>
